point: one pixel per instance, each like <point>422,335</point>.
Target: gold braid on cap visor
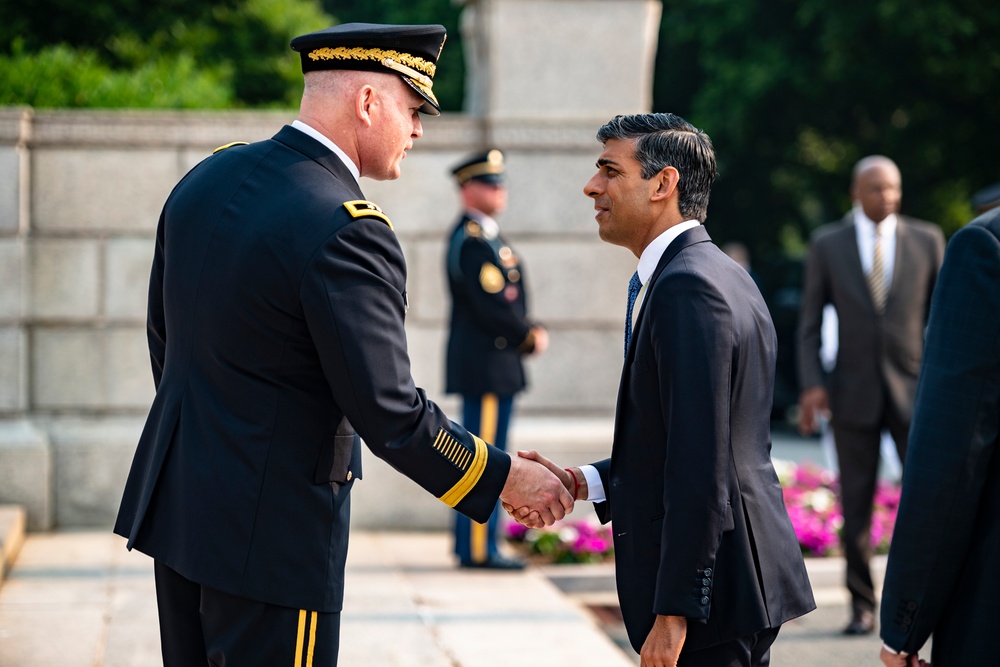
<point>396,57</point>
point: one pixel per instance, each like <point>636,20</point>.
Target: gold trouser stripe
<point>489,415</point>
<point>300,637</point>
<point>312,641</point>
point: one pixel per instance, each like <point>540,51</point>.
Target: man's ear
<point>666,183</point>
<point>365,101</point>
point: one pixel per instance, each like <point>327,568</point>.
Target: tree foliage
<point>169,53</point>
<point>794,92</point>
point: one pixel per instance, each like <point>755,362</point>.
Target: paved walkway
<point>81,600</point>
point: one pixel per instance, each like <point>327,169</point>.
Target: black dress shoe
<point>494,563</point>
<point>862,623</point>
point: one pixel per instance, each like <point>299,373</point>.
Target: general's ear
<point>365,102</point>
<point>666,183</point>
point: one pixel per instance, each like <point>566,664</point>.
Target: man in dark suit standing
<point>489,333</point>
<point>941,576</point>
<point>707,563</point>
<point>275,323</point>
<point>878,270</point>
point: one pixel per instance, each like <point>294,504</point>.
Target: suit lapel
<point>691,237</point>
<point>854,272</point>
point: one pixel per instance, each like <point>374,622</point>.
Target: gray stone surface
<point>526,73</point>
<point>126,283</point>
<point>11,184</point>
<point>65,278</point>
<point>26,470</point>
<point>128,378</point>
<point>68,369</point>
<point>13,371</point>
<point>546,191</point>
<point>91,460</point>
<point>12,279</point>
<point>100,190</point>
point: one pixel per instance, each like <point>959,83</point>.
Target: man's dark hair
<point>666,140</point>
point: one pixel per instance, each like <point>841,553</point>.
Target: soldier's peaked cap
<point>411,51</point>
<point>487,167</point>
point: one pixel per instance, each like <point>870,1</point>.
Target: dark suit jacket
<point>942,575</point>
<point>489,328</point>
<point>275,323</point>
<point>700,527</point>
<point>873,351</point>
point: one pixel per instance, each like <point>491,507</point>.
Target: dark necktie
<point>633,291</point>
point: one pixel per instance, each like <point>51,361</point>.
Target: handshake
<point>538,492</point>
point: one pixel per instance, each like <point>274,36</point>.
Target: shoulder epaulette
<point>473,229</point>
<point>230,145</point>
<point>359,208</point>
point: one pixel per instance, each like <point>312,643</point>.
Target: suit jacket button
<point>704,600</point>
<point>706,590</point>
<point>706,582</point>
<point>912,606</point>
<point>349,475</point>
<point>708,572</point>
<point>500,343</point>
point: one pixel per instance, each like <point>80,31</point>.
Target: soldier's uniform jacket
<point>275,324</point>
<point>489,328</point>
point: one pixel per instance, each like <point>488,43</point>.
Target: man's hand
<point>890,659</point>
<point>663,643</point>
<point>532,486</point>
<point>813,402</point>
<point>541,339</point>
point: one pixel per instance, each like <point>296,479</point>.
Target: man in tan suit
<point>878,270</point>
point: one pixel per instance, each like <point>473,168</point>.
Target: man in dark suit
<point>275,323</point>
<point>941,576</point>
<point>490,332</point>
<point>878,270</point>
<point>708,566</point>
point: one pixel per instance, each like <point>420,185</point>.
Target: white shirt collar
<point>886,228</point>
<point>651,254</point>
<point>325,140</point>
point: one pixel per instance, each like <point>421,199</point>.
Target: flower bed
<point>568,541</point>
<point>810,496</point>
<point>811,500</point>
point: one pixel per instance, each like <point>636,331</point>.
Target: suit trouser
<point>751,651</point>
<point>858,459</point>
<point>200,625</point>
<point>488,416</point>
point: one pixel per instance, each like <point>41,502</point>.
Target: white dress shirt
<point>865,230</point>
<point>326,141</point>
<point>650,257</point>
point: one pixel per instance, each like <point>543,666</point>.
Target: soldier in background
<point>489,332</point>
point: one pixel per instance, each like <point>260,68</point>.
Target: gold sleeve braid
<point>472,463</point>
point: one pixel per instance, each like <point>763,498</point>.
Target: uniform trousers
<point>488,416</point>
<point>858,452</point>
<point>200,625</point>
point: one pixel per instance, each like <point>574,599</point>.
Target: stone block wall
<point>80,195</point>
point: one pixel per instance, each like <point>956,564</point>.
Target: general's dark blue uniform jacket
<point>490,330</point>
<point>275,324</point>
